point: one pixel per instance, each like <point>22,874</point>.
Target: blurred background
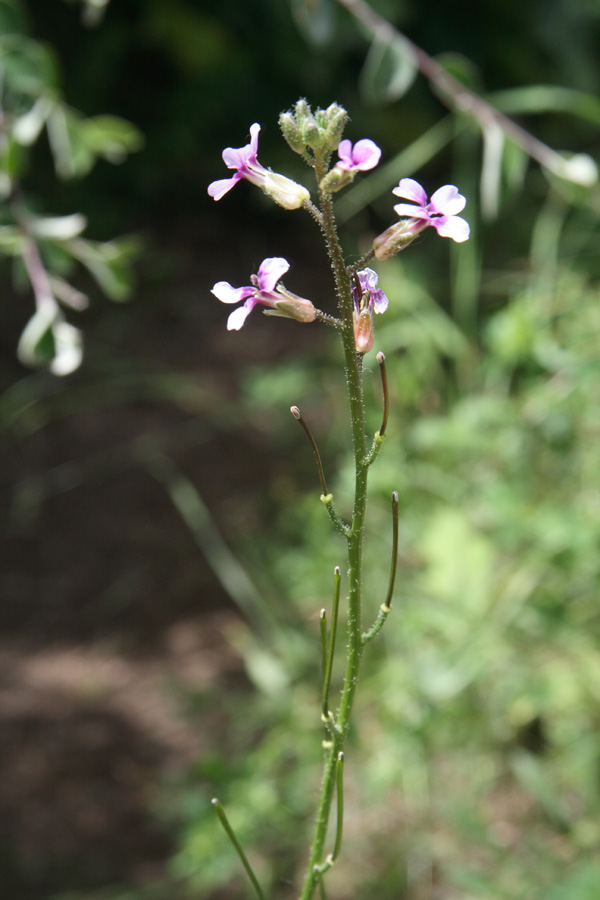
<point>164,552</point>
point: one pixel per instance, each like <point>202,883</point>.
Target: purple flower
<point>244,160</point>
<point>363,156</point>
<point>264,289</point>
<point>368,298</point>
<point>439,211</point>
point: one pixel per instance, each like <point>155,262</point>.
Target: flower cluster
<point>311,135</point>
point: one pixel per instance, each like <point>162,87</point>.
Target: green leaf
<point>48,341</point>
<point>36,345</point>
<point>27,128</point>
<point>109,263</point>
<point>72,156</point>
<point>12,240</point>
<point>389,70</point>
<point>541,98</point>
<point>58,228</point>
<point>110,137</point>
<point>30,68</point>
<point>77,142</point>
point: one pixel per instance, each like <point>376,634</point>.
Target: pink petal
<point>239,316</point>
<point>270,272</point>
<point>218,189</point>
<point>447,201</point>
<point>366,154</point>
<point>453,227</point>
<point>224,292</point>
<point>345,152</point>
<point>380,301</point>
<point>411,190</point>
<point>254,132</point>
<point>415,212</point>
<point>239,157</point>
<point>236,158</point>
<point>368,279</point>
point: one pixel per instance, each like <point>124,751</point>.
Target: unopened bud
<point>294,307</point>
<point>291,132</point>
<point>364,336</point>
<point>395,239</point>
<point>284,191</point>
<point>336,122</point>
<point>336,179</point>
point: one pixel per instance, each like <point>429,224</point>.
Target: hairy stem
<point>354,538</point>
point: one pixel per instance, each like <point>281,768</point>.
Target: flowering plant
<point>315,136</point>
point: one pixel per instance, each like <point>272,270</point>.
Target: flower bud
<point>284,191</point>
<point>336,122</point>
<point>364,336</point>
<point>294,307</point>
<point>291,132</point>
<point>395,238</point>
<point>321,131</point>
<point>336,179</point>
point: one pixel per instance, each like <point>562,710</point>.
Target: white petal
<point>224,292</point>
<point>453,227</point>
<point>447,201</point>
<point>415,212</point>
<point>237,318</point>
<point>411,190</point>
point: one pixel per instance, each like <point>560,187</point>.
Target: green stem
<point>232,837</point>
<point>354,537</point>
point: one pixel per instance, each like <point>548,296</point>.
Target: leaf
<point>27,128</point>
<point>72,156</point>
<point>36,344</point>
<point>47,340</point>
<point>58,228</point>
<point>109,263</point>
<point>111,137</point>
<point>12,240</point>
<point>491,169</point>
<point>68,348</point>
<point>77,142</point>
<point>29,68</point>
<point>389,70</point>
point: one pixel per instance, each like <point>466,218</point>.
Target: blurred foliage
<point>45,249</point>
<point>475,765</point>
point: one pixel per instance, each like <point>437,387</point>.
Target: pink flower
<point>244,160</point>
<point>439,211</point>
<point>363,156</point>
<point>264,289</point>
<point>367,299</point>
<point>369,296</point>
<point>245,163</point>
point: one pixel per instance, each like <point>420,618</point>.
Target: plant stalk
<point>354,538</point>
